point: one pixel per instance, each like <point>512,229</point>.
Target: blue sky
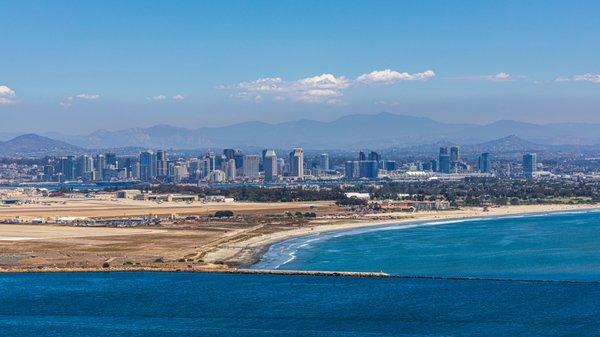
<point>78,66</point>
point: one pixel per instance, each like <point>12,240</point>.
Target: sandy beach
<point>249,251</point>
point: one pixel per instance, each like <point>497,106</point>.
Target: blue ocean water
<point>183,304</point>
<point>555,246</point>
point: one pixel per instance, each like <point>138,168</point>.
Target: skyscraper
<point>250,166</point>
<point>230,172</point>
<point>484,163</point>
<point>368,169</point>
<point>67,167</point>
<point>99,165</point>
<point>297,163</point>
<point>454,154</point>
<point>352,169</point>
<point>270,165</point>
<point>374,156</point>
<point>111,160</point>
<point>162,164</point>
<point>529,165</point>
<point>147,166</point>
<point>444,160</point>
<point>324,162</point>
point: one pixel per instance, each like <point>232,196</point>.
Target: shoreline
<point>238,252</point>
<point>247,253</point>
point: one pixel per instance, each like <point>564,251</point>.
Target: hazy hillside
<point>354,131</point>
<point>31,145</point>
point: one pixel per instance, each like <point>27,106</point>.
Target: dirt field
<point>26,247</point>
<point>116,208</point>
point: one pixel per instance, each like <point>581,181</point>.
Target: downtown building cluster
<point>268,166</point>
<point>157,166</point>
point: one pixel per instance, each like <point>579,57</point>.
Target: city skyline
<point>139,64</point>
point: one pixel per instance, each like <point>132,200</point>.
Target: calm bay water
<point>558,246</point>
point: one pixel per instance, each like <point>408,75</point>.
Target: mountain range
<point>377,131</point>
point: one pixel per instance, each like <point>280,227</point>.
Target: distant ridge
<point>32,145</point>
<point>353,131</point>
<point>379,131</point>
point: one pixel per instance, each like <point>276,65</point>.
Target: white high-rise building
<point>230,170</point>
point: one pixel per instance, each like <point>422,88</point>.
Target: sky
<point>78,66</point>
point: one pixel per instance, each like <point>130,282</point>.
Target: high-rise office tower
<point>455,164</point>
<point>324,162</point>
<point>368,169</point>
<point>374,156</point>
<point>147,166</point>
<point>162,164</point>
<point>297,163</point>
<point>362,156</point>
<point>204,168</point>
<point>67,167</point>
<point>230,170</point>
<point>434,165</point>
<point>484,163</point>
<point>194,168</point>
<point>99,165</point>
<point>454,154</point>
<point>217,176</point>
<point>212,160</point>
<point>390,165</point>
<point>444,160</point>
<point>352,170</point>
<point>270,165</point>
<point>280,166</point>
<point>239,161</point>
<point>111,161</point>
<point>529,165</point>
<point>250,166</point>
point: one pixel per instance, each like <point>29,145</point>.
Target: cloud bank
<point>324,88</point>
<point>592,78</point>
<point>498,77</point>
<point>68,102</point>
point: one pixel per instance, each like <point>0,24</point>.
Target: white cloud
<point>69,101</point>
<point>7,95</point>
<point>324,88</point>
<point>157,98</point>
<point>178,97</point>
<point>391,103</point>
<point>594,78</point>
<point>88,96</point>
<point>389,76</point>
<point>499,77</point>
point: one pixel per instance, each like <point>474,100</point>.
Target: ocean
<point>554,246</point>
<point>185,304</point>
<point>548,266</point>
